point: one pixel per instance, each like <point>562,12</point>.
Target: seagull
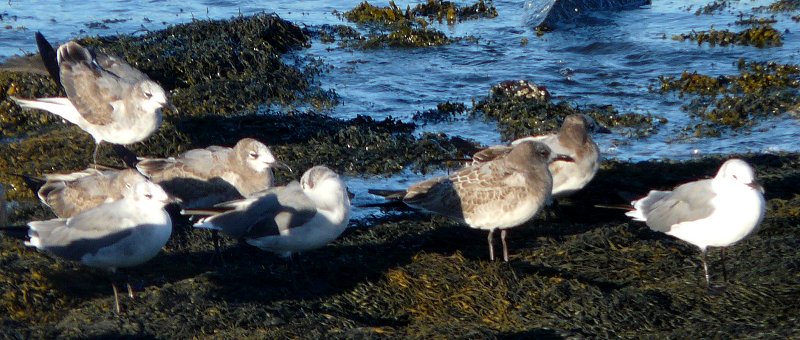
<point>71,194</point>
<point>715,212</point>
<point>284,220</point>
<point>204,177</point>
<point>123,233</point>
<point>106,97</point>
<point>500,194</point>
<point>574,140</point>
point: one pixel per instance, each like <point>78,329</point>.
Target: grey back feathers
<point>688,202</point>
<point>122,233</point>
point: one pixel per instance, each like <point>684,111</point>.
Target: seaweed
<point>522,108</point>
<point>761,36</point>
<point>590,272</point>
<point>760,89</point>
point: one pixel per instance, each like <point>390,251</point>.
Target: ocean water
<point>605,58</point>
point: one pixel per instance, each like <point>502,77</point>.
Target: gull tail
<point>394,199</point>
<point>41,230</point>
<point>152,166</point>
<point>16,232</point>
<point>33,183</point>
<point>206,211</point>
<point>388,194</point>
<point>49,57</point>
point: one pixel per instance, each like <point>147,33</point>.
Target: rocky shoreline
<point>587,272</point>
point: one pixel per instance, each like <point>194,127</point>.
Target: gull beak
<point>564,158</point>
<point>171,106</point>
<point>279,165</point>
<point>173,199</point>
<point>755,185</point>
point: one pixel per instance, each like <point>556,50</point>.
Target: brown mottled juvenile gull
<point>499,194</point>
<point>715,212</point>
<point>204,177</point>
<point>119,234</point>
<point>574,140</point>
<point>106,97</point>
<point>285,220</point>
<point>71,194</point>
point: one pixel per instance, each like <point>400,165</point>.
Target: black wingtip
<point>126,155</point>
<point>388,194</point>
<point>16,232</point>
<point>49,57</point>
<point>33,183</point>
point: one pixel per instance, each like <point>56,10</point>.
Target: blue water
<point>609,58</point>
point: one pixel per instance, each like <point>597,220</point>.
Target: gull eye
<point>253,155</point>
<point>149,196</point>
<point>147,94</point>
<point>734,177</point>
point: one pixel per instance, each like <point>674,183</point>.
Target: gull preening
<point>714,212</point>
<point>68,195</point>
<point>574,140</point>
<point>109,99</point>
<point>500,194</point>
<point>285,220</point>
<point>204,177</point>
<point>123,233</point>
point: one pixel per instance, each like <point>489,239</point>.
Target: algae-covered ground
<point>584,271</point>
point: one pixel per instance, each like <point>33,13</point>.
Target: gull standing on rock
<point>285,220</point>
<point>574,140</point>
<point>71,194</point>
<point>500,194</point>
<point>714,212</point>
<point>204,177</point>
<point>106,97</point>
<point>123,233</point>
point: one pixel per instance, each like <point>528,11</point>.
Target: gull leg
<point>705,268</point>
<point>217,246</point>
<point>94,154</point>
<point>724,272</point>
<point>130,290</point>
<point>491,247</point>
<point>505,248</point>
<point>116,297</point>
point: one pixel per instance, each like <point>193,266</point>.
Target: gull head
<point>583,124</point>
<point>150,193</point>
<point>151,94</point>
<point>535,154</point>
<point>258,156</point>
<point>325,187</point>
<point>126,180</point>
<point>738,171</point>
